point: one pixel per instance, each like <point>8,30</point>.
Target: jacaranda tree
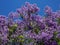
<point>27,27</point>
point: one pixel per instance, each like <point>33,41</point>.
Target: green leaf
<point>26,28</point>
<point>21,40</point>
<point>58,20</point>
<point>59,43</point>
<point>57,39</point>
<point>29,40</point>
<point>36,30</point>
<point>55,33</point>
<point>13,28</point>
<point>21,36</point>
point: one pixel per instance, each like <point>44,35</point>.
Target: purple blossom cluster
<point>27,27</point>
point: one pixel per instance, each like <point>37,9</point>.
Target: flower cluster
<point>27,27</point>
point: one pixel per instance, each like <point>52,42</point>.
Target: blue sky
<point>7,6</point>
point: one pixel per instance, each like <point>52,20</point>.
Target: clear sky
<point>7,6</point>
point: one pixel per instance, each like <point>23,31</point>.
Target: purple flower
<point>33,27</point>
